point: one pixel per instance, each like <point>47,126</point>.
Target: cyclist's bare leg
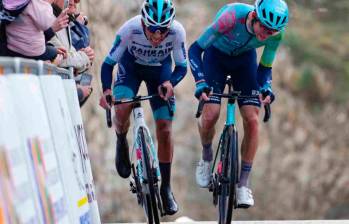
<point>249,142</point>
<point>165,154</point>
<point>206,124</point>
<point>122,118</point>
<point>164,138</point>
<point>122,123</point>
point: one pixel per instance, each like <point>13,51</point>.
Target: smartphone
<point>86,79</point>
<point>66,4</point>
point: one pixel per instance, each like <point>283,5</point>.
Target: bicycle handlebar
<point>233,95</point>
<point>133,100</point>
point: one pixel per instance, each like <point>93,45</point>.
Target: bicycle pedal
<point>133,188</point>
<point>210,187</point>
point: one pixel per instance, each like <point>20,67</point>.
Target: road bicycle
<point>225,171</point>
<point>144,160</point>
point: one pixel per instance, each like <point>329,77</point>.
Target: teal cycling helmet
<point>272,13</point>
<point>158,13</point>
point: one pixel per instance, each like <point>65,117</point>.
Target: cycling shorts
<point>130,76</point>
<point>242,69</point>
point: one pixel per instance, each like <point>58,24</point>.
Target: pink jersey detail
<point>226,22</point>
<point>14,4</point>
<point>25,35</point>
<point>242,21</point>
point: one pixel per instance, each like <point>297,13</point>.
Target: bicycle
<point>225,173</point>
<point>144,160</point>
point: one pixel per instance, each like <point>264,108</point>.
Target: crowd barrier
<point>45,171</point>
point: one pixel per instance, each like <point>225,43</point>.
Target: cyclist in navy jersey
<point>229,47</point>
<point>142,49</point>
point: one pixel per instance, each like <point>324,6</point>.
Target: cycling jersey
<point>229,34</point>
<point>131,38</point>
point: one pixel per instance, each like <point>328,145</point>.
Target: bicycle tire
<point>234,172</point>
<point>228,177</point>
<point>147,208</point>
<point>151,197</point>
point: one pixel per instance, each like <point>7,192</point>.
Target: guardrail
<point>45,171</point>
<point>16,65</point>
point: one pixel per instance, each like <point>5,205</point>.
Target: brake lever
<point>108,111</point>
<point>169,106</point>
<point>206,90</point>
<point>267,110</point>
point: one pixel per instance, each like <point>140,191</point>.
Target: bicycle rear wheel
<point>150,197</point>
<point>228,176</point>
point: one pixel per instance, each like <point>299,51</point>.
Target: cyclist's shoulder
<point>132,26</point>
<point>236,9</point>
<point>177,29</point>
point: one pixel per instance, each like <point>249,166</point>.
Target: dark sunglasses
<point>269,30</point>
<point>153,29</point>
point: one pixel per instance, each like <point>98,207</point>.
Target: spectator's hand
<point>83,93</point>
<point>169,90</point>
<point>103,101</point>
<point>90,53</point>
<point>58,60</point>
<point>61,22</point>
<point>82,18</point>
<point>62,51</point>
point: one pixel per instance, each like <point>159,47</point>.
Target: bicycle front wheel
<point>228,177</point>
<point>150,204</point>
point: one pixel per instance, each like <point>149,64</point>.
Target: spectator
<point>25,35</point>
<point>80,60</point>
<point>80,33</point>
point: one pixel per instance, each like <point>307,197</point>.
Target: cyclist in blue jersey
<point>229,47</point>
<point>142,49</point>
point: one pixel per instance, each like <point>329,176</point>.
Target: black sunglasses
<point>153,29</point>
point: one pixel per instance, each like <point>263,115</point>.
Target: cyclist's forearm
<point>264,75</point>
<point>106,75</point>
<point>196,65</point>
<point>178,74</point>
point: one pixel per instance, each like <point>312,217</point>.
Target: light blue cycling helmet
<point>158,13</point>
<point>272,13</point>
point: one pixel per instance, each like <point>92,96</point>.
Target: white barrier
<point>30,110</point>
<point>70,89</point>
<point>50,145</point>
<point>16,182</point>
<point>66,147</point>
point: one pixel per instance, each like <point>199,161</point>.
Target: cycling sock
<point>165,170</point>
<point>122,136</point>
<point>245,172</point>
<point>207,154</point>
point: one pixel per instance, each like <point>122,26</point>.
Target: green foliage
<point>317,36</point>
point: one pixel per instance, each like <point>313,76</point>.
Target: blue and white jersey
<point>132,37</point>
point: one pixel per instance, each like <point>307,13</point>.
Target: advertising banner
<point>16,182</point>
<point>67,149</point>
<point>27,99</point>
<point>70,90</point>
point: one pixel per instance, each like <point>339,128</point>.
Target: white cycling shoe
<point>244,197</point>
<point>203,173</point>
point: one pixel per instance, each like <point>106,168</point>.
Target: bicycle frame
<point>139,122</point>
<point>225,172</point>
<point>144,159</point>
